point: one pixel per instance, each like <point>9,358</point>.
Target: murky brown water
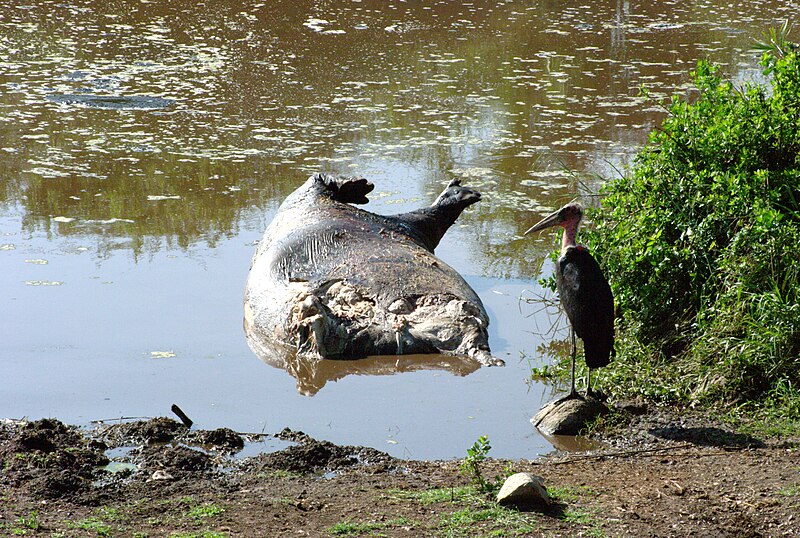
<point>144,146</point>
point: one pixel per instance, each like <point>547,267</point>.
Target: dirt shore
<point>663,473</point>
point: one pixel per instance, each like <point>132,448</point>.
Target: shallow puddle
<point>144,147</point>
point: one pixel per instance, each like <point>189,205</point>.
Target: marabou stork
<point>584,293</point>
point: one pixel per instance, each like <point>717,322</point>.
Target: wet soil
<point>662,472</point>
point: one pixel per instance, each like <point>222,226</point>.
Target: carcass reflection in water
<point>313,374</point>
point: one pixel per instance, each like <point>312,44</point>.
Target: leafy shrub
<point>701,243</point>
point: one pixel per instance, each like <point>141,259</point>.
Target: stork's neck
<point>570,232</point>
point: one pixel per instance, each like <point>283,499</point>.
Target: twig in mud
<point>14,421</point>
<point>255,436</point>
<point>117,419</point>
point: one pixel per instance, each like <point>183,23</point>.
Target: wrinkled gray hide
<point>330,280</point>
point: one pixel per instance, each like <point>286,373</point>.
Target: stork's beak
<point>554,219</point>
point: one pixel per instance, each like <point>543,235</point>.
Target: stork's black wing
<point>587,300</point>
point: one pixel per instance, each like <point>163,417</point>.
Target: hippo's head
<point>457,195</point>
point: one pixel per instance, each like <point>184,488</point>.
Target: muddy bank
<point>661,473</point>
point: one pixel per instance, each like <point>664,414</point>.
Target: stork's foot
<point>574,394</point>
<point>598,395</point>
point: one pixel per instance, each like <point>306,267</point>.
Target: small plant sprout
<point>471,466</point>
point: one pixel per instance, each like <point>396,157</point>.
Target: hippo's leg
<point>336,320</point>
<point>309,325</point>
<point>345,189</point>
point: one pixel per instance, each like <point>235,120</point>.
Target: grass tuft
<point>356,528</point>
<point>204,511</point>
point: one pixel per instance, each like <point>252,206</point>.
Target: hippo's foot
<point>309,326</point>
<point>456,326</point>
<point>346,189</point>
<point>485,358</point>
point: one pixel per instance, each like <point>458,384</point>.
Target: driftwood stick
<point>181,415</point>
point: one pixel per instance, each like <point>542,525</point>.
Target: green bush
<point>700,241</point>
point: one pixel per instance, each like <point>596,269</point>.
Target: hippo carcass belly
<point>330,280</point>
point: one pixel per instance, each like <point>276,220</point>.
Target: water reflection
<point>312,374</point>
<point>265,93</point>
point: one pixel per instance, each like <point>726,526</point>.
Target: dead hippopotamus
<point>330,280</point>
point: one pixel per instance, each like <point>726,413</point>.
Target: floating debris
<point>109,221</point>
<point>47,172</point>
<point>115,102</point>
<point>318,25</point>
<point>162,354</point>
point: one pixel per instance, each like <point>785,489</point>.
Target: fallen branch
<point>635,452</point>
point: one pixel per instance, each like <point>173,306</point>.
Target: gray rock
<point>568,416</point>
<point>524,490</point>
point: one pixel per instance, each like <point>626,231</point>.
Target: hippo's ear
<point>346,189</point>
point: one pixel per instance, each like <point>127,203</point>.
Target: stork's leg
<point>572,391</point>
<point>589,392</point>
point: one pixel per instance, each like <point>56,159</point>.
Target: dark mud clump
<point>169,449</point>
<point>175,461</point>
<point>223,439</point>
<point>162,430</point>
<point>292,435</point>
<point>311,456</point>
<point>155,430</point>
<point>50,459</point>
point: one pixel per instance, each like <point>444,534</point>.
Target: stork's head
<point>567,217</point>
